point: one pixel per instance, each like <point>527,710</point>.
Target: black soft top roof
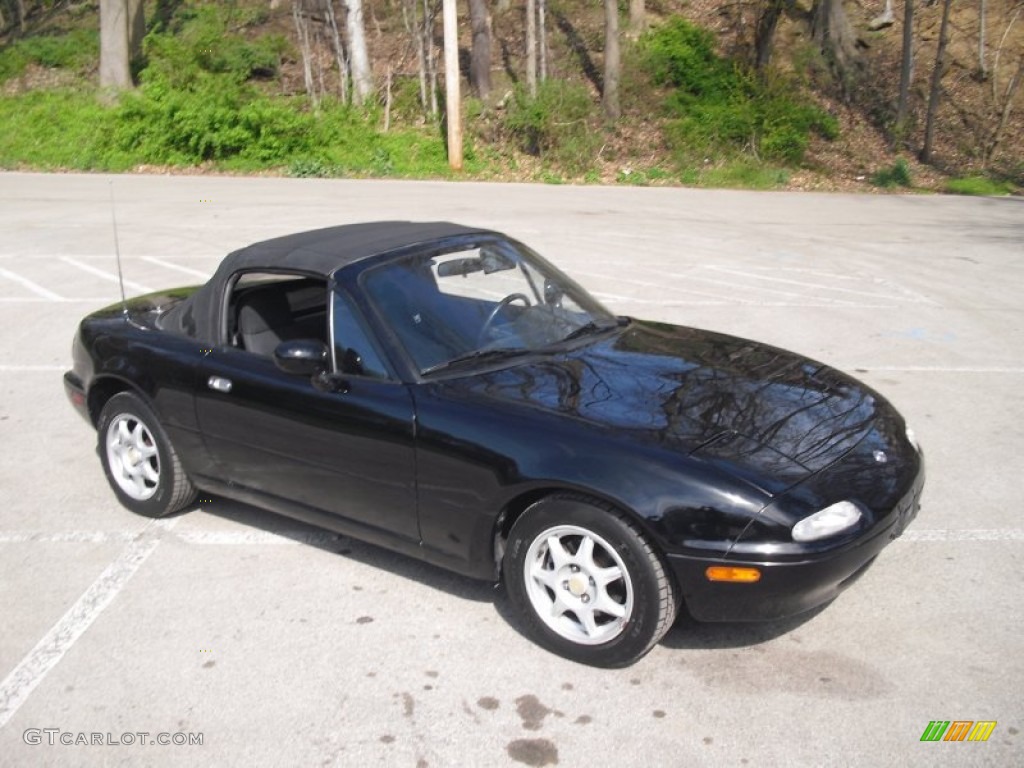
<point>322,251</point>
<point>318,252</point>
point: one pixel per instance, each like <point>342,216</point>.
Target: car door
<point>347,453</point>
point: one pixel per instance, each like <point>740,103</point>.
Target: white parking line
<point>967,534</point>
<point>31,368</point>
<point>48,652</point>
<point>102,300</point>
<point>38,290</point>
<point>60,537</point>
<point>816,286</point>
<point>760,289</point>
<point>281,536</point>
<point>110,276</point>
<point>178,267</point>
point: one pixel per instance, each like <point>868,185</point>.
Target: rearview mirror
<point>494,260</point>
<point>459,267</point>
<point>301,357</point>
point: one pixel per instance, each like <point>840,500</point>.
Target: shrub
<point>75,50</point>
<point>898,175</point>
<point>558,124</point>
<point>979,185</point>
<point>715,106</point>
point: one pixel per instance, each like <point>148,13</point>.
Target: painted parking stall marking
<point>30,672</point>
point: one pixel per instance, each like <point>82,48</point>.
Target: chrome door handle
<point>219,384</point>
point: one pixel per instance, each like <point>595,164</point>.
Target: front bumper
<point>75,391</point>
<point>791,587</point>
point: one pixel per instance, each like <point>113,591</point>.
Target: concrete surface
<point>283,645</point>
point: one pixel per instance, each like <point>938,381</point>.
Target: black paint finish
<point>716,446</point>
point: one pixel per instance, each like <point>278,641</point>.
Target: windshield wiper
<point>586,329</point>
<point>479,356</point>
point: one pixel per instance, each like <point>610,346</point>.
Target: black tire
<point>555,600</point>
<point>139,461</point>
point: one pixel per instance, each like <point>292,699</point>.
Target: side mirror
<point>553,293</point>
<point>351,363</point>
<point>301,357</point>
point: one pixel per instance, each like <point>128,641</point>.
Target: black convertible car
<point>445,392</point>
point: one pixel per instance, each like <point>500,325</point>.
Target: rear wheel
<point>588,584</point>
<point>138,459</point>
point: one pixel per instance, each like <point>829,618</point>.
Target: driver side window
<point>354,352</point>
<point>266,308</point>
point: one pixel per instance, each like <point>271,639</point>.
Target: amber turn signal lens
<point>726,573</point>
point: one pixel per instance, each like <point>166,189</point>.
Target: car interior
<point>265,310</point>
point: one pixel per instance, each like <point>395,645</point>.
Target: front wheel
<point>138,459</point>
<point>588,584</point>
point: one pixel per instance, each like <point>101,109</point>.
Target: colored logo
<point>958,730</point>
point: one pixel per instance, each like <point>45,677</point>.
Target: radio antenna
<point>117,252</point>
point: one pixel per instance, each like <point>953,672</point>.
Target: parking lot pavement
<point>278,644</point>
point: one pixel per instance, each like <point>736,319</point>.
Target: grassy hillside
<point>222,87</point>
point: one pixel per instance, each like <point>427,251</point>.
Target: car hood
<point>768,416</point>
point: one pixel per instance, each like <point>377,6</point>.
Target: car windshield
<point>480,302</point>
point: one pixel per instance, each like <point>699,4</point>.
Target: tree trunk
<point>906,68</point>
<point>933,92</point>
<point>637,16</point>
<point>115,48</point>
<point>339,53</point>
<point>883,20</point>
<point>612,61</point>
<point>764,36</point>
<point>542,38</point>
<point>362,77</point>
<point>136,28</point>
<point>305,49</point>
<point>981,38</point>
<point>429,52</point>
<point>1004,115</point>
<point>531,46</point>
<point>831,30</point>
<point>480,55</point>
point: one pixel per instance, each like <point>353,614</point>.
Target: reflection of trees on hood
<point>689,387</point>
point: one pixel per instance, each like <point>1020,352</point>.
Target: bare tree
<point>612,61</point>
<point>933,91</point>
<point>831,30</point>
<point>480,53</point>
<point>340,56</point>
<point>542,38</point>
<point>430,53</point>
<point>411,19</point>
<point>885,19</point>
<point>1002,101</point>
<point>531,46</point>
<point>305,49</point>
<point>981,38</point>
<point>764,34</point>
<point>362,77</point>
<point>637,16</point>
<point>906,68</point>
<point>122,27</point>
<point>1004,112</point>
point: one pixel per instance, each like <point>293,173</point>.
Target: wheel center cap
<point>577,585</point>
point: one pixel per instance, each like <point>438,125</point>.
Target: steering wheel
<point>486,329</point>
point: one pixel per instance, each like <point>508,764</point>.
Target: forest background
<point>803,94</point>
